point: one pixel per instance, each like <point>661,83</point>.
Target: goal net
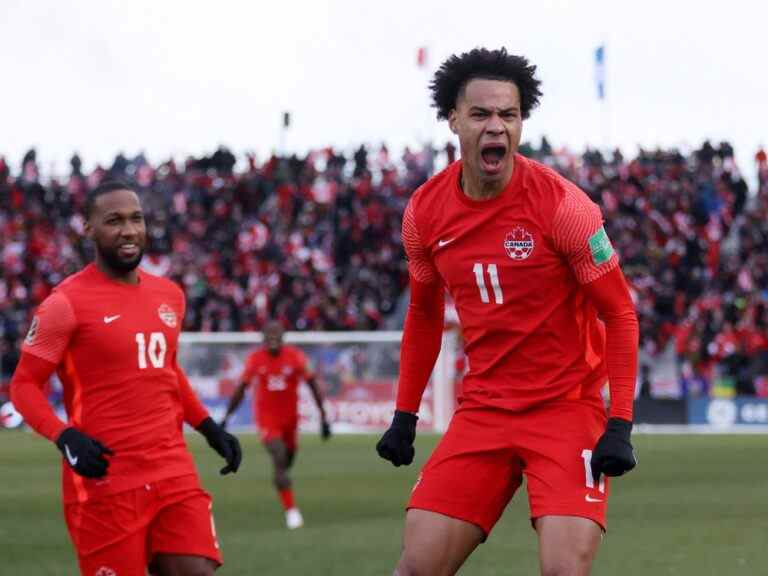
<point>357,372</point>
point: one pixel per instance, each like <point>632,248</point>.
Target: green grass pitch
<point>696,505</point>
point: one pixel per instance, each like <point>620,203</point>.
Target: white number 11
<point>493,273</point>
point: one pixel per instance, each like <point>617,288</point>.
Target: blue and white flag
<point>600,71</point>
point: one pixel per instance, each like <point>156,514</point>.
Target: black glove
<point>83,454</point>
<point>325,430</point>
<point>223,442</point>
<point>613,454</point>
<point>397,443</point>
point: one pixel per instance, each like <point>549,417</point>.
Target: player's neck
<point>130,277</point>
<point>478,189</point>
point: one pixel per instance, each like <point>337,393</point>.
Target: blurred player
<point>277,369</point>
<point>132,498</point>
<point>524,255</point>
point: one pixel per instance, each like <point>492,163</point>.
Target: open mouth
<point>492,156</point>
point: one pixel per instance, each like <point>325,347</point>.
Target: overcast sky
<point>182,76</point>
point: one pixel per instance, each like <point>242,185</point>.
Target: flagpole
<point>603,97</point>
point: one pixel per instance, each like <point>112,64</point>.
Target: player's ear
<point>452,121</point>
<point>88,229</point>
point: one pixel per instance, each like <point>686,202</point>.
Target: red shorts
<point>120,534</point>
<point>480,462</point>
<point>288,432</point>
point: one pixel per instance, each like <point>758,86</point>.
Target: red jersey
<point>114,345</point>
<point>276,379</point>
<point>514,265</point>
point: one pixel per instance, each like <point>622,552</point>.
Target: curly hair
<point>454,74</point>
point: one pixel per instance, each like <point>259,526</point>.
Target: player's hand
<point>613,454</point>
<point>397,443</point>
<point>325,429</point>
<point>227,445</point>
<point>83,454</point>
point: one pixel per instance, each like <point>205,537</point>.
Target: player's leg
<point>181,537</point>
<point>567,544</point>
<point>109,534</point>
<point>460,494</point>
<point>290,458</point>
<point>279,453</point>
<point>174,565</point>
<point>434,544</point>
<point>125,557</point>
<point>567,507</point>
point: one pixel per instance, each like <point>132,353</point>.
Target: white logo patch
<point>32,332</point>
<point>589,498</point>
<point>167,315</point>
<point>519,243</point>
<point>110,319</point>
<point>441,243</point>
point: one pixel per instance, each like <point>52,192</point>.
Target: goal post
<point>357,372</point>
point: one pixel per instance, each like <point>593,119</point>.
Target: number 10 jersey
<point>114,345</point>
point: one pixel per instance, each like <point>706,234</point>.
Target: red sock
<point>286,497</point>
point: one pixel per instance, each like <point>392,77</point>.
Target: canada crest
<point>104,571</point>
<point>519,243</point>
<point>167,315</point>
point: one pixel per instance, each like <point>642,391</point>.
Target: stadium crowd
<point>314,241</point>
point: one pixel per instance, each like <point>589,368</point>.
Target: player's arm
<point>194,411</point>
<point>195,414</point>
<point>420,346</point>
<point>234,402</point>
<point>29,378</point>
<point>610,296</point>
<point>314,387</point>
<point>578,231</point>
<point>43,349</point>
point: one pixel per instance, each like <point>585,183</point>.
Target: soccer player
<point>132,498</point>
<point>276,369</point>
<point>547,319</point>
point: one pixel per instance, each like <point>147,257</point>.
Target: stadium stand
<point>314,241</point>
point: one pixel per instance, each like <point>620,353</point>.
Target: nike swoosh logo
<point>589,498</point>
<point>108,319</point>
<point>441,243</point>
<point>71,459</point>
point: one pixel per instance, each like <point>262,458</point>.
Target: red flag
<point>421,57</point>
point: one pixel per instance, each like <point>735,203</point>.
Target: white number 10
<point>155,350</point>
<point>493,273</point>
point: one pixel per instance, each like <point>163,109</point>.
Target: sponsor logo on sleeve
<point>32,332</point>
<point>167,315</point>
<point>519,243</point>
<point>600,247</point>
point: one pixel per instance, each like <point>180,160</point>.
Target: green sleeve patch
<point>600,246</point>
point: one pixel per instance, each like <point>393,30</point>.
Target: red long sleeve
<point>194,411</point>
<point>422,336</point>
<point>610,296</point>
<point>27,396</point>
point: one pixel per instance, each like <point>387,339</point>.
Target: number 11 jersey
<point>514,266</point>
